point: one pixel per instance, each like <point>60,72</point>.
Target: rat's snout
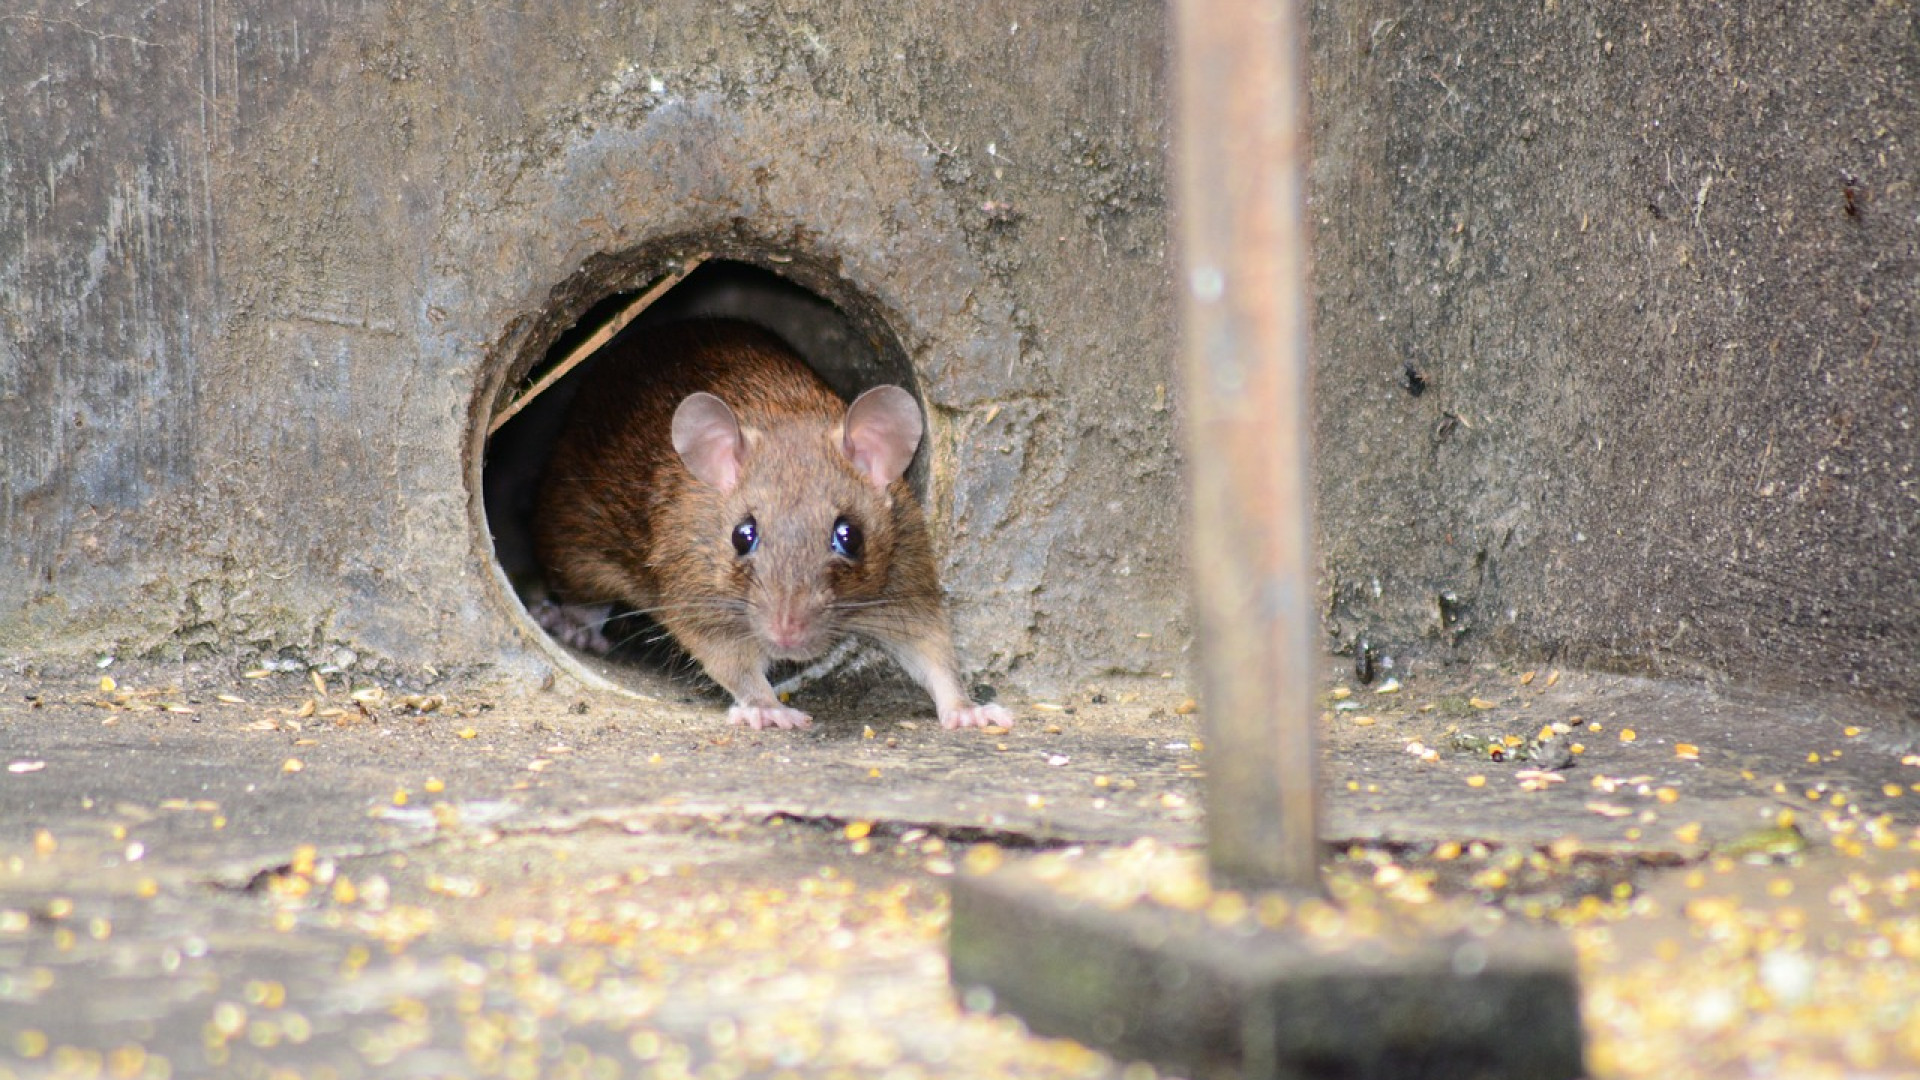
<point>787,629</point>
<point>791,627</point>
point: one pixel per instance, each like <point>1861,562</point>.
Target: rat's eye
<point>746,537</point>
<point>847,541</point>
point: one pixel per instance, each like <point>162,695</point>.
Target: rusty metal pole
<point>1241,149</point>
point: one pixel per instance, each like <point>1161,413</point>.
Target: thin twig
<point>600,337</point>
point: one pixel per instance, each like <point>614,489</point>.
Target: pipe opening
<point>829,325</point>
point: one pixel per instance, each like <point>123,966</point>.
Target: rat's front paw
<point>759,717</point>
<point>579,626</point>
<point>971,715</point>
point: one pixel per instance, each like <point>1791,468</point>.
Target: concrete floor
<point>203,872</point>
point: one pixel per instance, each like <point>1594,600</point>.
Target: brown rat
<point>708,478</point>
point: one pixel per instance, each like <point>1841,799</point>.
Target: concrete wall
<point>1618,311</point>
<point>1657,269</point>
<point>263,264</point>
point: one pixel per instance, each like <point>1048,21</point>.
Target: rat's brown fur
<point>622,518</point>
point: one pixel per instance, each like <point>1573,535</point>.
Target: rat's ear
<point>882,431</point>
<point>707,438</point>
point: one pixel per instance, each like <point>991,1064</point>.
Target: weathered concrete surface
<point>508,878</point>
<point>522,878</point>
<point>1652,273</point>
<point>263,265</point>
<point>1616,311</point>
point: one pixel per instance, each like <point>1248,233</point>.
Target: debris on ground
<point>328,875</point>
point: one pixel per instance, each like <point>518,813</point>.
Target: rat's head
<point>806,526</point>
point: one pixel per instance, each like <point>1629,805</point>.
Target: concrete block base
<point>1175,989</point>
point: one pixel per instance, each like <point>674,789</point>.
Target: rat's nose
<point>788,628</point>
